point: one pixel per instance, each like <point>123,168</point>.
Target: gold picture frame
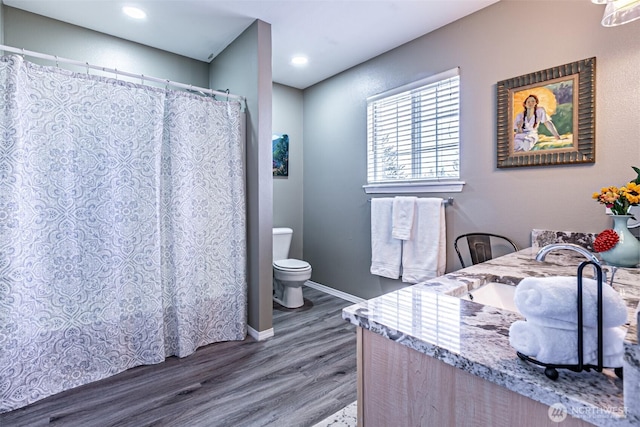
<point>548,117</point>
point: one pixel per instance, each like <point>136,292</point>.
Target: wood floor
<point>305,373</point>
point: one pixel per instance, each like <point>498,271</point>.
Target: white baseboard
<point>260,336</point>
<point>336,293</point>
<point>263,335</point>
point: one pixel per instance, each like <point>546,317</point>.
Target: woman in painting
<point>527,122</point>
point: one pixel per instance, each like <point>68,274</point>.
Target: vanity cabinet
<point>427,357</point>
<point>399,386</point>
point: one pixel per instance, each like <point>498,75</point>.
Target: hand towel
<point>386,252</point>
<point>402,217</point>
<point>424,254</point>
<point>560,346</point>
<point>555,298</point>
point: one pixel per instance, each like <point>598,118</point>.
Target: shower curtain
<point>122,227</point>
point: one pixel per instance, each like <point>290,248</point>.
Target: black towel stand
<point>550,369</point>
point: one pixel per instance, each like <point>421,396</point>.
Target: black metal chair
<point>484,246</point>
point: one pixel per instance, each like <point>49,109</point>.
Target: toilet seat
<point>293,265</point>
<point>288,277</point>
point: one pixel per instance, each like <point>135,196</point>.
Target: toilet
<point>288,274</point>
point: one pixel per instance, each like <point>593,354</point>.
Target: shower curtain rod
<point>118,72</point>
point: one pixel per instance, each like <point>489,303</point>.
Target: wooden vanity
<point>428,358</point>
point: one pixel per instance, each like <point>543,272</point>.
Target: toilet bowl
<point>288,274</point>
<point>288,277</point>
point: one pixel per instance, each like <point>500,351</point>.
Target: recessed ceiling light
<point>299,60</point>
<point>134,12</point>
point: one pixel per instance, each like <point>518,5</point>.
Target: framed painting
<point>547,117</point>
<point>280,149</point>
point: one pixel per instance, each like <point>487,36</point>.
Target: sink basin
<point>495,294</point>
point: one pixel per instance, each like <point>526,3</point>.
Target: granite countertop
<point>430,318</point>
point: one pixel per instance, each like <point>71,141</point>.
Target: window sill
<point>415,187</point>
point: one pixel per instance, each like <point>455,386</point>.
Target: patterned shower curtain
<point>122,227</point>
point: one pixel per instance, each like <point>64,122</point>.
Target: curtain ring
<point>22,53</point>
<point>87,65</point>
<point>227,91</point>
<point>57,65</point>
<point>141,79</point>
<point>166,87</point>
<point>116,73</point>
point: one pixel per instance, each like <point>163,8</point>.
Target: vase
<point>626,253</point>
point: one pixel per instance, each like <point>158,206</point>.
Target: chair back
<point>481,247</point>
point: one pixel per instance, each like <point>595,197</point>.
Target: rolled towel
<point>560,346</point>
<point>555,298</point>
<point>553,323</point>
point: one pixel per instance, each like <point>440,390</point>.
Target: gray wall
<point>288,191</point>
<point>491,45</point>
<point>37,33</point>
<point>245,68</point>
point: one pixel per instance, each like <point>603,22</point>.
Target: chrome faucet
<point>542,254</point>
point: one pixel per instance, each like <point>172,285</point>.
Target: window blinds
<point>413,131</point>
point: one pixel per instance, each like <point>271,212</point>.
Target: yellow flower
<point>631,192</point>
<point>607,195</point>
<point>619,200</point>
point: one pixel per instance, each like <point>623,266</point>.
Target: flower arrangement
<point>619,200</point>
<point>617,246</point>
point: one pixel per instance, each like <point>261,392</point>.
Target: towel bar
<point>446,202</point>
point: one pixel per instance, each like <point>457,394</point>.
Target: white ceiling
<point>334,34</point>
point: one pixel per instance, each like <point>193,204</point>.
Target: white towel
<point>560,346</point>
<point>402,219</point>
<point>424,254</point>
<point>555,298</point>
<point>554,323</point>
<point>386,252</point>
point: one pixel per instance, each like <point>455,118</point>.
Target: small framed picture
<point>280,149</point>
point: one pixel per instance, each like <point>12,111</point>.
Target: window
<point>413,132</point>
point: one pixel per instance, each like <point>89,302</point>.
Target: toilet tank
<point>281,242</point>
